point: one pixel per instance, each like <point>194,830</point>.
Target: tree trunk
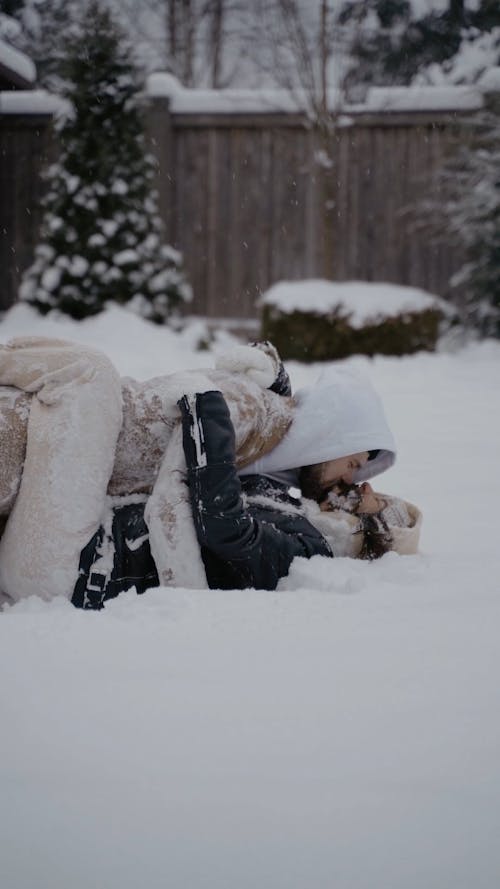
<point>324,55</point>
<point>457,11</point>
<point>180,39</point>
<point>216,38</point>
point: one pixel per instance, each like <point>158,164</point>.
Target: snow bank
<point>362,301</point>
<point>138,347</point>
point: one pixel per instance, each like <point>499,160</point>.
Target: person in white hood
<point>339,432</point>
<point>363,524</point>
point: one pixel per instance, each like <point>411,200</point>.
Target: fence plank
<point>243,197</point>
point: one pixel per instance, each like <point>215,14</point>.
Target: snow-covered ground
<point>342,733</point>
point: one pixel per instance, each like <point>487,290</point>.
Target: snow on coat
<point>260,417</point>
<point>148,455</point>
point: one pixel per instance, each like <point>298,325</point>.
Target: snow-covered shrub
<point>322,321</point>
<point>101,236</point>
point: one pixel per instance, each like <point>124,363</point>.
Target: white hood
<point>340,415</point>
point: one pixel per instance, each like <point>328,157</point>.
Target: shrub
<point>335,332</point>
<point>101,237</point>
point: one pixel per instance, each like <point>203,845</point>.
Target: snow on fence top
<point>17,62</point>
<point>244,101</point>
<point>31,102</point>
<point>363,302</point>
<point>234,101</point>
<point>423,98</point>
<point>228,101</point>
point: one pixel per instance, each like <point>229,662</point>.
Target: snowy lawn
<point>342,733</point>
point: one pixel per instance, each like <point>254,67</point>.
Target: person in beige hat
<point>361,523</point>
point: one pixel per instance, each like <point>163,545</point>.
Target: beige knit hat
<point>404,521</point>
<point>342,528</point>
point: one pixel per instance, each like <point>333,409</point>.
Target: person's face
<point>341,470</point>
<point>370,502</point>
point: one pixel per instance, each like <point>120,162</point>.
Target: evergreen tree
<point>9,25</point>
<point>40,30</point>
<point>468,208</point>
<point>101,232</point>
<point>473,211</point>
<point>389,45</point>
<point>374,31</point>
<point>43,32</point>
<point>487,15</point>
<point>11,7</point>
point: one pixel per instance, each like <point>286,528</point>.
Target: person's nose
<point>366,488</point>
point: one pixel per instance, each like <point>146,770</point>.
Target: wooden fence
<point>25,143</point>
<point>253,199</point>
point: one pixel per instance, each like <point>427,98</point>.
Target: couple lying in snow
<point>108,484</point>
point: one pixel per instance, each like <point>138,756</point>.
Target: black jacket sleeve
<point>255,553</point>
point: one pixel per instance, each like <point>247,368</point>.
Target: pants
<point>73,426</point>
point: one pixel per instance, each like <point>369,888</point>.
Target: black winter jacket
<point>249,529</point>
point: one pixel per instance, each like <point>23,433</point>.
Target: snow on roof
<point>363,301</point>
<point>423,98</point>
<point>16,63</point>
<point>228,101</point>
<point>234,101</point>
<point>31,102</point>
<point>490,81</point>
<point>249,101</point>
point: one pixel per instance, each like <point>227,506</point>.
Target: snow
<point>490,80</point>
<point>423,98</point>
<point>230,101</point>
<point>261,101</point>
<point>17,62</point>
<point>413,98</point>
<point>109,227</point>
<point>119,187</point>
<point>78,266</point>
<point>362,301</point>
<point>31,102</point>
<point>343,731</point>
<point>51,278</point>
<point>125,257</point>
<point>478,53</point>
<point>161,84</point>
